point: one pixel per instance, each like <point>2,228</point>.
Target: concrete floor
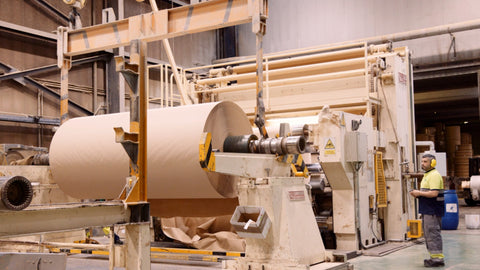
<point>460,248</point>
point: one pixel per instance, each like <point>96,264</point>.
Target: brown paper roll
<point>88,164</point>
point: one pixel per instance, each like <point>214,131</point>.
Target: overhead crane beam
<point>150,27</point>
<point>157,25</point>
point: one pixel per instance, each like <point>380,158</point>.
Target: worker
<point>117,241</point>
<point>431,206</point>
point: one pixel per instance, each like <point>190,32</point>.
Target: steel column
<point>64,91</point>
<point>27,31</point>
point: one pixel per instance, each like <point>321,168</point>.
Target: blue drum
<point>450,219</point>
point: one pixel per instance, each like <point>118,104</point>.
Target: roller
<point>16,193</point>
<point>87,163</point>
<point>250,144</point>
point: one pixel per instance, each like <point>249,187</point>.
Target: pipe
<point>325,67</point>
<point>41,159</point>
<point>402,36</point>
<point>414,174</point>
<point>425,32</point>
<point>289,53</point>
<point>75,245</point>
<point>305,60</point>
<point>426,143</point>
<point>296,80</point>
<point>16,193</point>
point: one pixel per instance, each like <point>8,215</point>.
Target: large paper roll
<point>87,163</point>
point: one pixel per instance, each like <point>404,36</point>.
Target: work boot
<point>433,262</point>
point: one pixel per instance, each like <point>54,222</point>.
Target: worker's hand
<point>415,193</point>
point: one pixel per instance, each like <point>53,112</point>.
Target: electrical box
<point>356,147</point>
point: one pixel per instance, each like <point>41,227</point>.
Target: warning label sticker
<point>329,146</point>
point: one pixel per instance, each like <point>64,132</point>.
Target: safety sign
<point>329,146</point>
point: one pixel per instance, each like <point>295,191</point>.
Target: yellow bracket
<point>132,190</point>
<point>298,166</point>
<point>122,136</point>
<point>206,155</point>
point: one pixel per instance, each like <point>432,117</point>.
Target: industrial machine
<point>338,167</point>
<point>274,213</point>
<point>357,102</point>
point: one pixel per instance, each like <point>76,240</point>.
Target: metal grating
<point>380,184</point>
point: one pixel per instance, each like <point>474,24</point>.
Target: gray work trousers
<point>432,229</point>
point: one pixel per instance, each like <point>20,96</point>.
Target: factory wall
<point>306,23</point>
<point>23,52</point>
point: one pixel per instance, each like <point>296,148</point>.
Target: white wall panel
<point>305,23</point>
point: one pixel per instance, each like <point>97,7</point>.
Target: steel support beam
<point>18,74</point>
<point>446,95</point>
<point>28,80</point>
<point>30,119</point>
<point>61,218</point>
<point>465,113</point>
<point>10,27</point>
<point>53,10</point>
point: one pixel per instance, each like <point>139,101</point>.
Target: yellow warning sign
<point>329,144</point>
<point>329,147</point>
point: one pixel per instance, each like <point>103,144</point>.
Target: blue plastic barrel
<point>450,219</point>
